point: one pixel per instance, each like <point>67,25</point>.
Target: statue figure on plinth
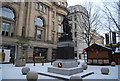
<point>65,45</point>
<point>66,26</point>
<point>66,35</point>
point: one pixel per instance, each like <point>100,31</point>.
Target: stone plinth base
<point>65,50</point>
<point>66,63</point>
<point>65,71</point>
<point>68,67</point>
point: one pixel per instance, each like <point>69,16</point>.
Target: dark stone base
<point>65,52</point>
<point>66,37</point>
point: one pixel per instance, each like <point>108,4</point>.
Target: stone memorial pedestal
<point>66,64</point>
<point>68,67</point>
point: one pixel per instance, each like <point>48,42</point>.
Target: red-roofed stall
<point>97,54</point>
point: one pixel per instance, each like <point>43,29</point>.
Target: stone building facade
<point>38,21</point>
<point>78,14</point>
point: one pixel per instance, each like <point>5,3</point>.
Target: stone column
<point>49,54</point>
<point>30,51</point>
<point>27,19</point>
<point>46,30</point>
<point>18,52</point>
<point>31,29</point>
<point>56,25</point>
<point>50,24</point>
<point>29,54</point>
<point>20,20</point>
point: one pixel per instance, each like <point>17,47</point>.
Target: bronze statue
<point>66,35</point>
<point>66,26</point>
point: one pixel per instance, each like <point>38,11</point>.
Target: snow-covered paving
<point>9,71</point>
<point>0,71</point>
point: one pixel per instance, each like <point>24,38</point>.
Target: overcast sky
<point>76,2</point>
<point>82,2</point>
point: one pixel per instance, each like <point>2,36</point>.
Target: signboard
<point>7,55</point>
<point>0,55</point>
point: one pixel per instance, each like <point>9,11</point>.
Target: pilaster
<point>20,20</point>
<point>49,54</point>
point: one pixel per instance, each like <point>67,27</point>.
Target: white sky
<point>82,2</point>
<point>76,2</point>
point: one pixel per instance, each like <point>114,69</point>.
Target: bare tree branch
<point>88,22</point>
<point>112,15</point>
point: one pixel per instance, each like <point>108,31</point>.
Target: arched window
<point>8,23</point>
<point>39,21</point>
<point>40,29</point>
<point>7,13</point>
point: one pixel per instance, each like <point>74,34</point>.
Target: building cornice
<point>62,7</point>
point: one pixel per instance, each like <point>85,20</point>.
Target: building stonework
<point>77,17</point>
<point>39,21</point>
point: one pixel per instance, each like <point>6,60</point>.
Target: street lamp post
<point>34,59</point>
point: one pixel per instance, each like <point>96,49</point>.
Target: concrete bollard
<point>32,76</point>
<point>113,63</point>
<point>25,70</point>
<point>105,71</point>
<point>20,62</point>
<point>84,66</point>
<point>75,78</point>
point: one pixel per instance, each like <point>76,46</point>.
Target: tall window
<point>8,24</point>
<point>39,34</point>
<point>5,28</point>
<point>53,36</point>
<point>75,25</point>
<point>39,21</point>
<point>37,6</point>
<point>23,31</point>
<point>53,14</point>
<point>53,25</point>
<point>75,17</point>
<point>41,7</point>
<point>59,18</point>
<point>75,34</point>
<point>59,28</point>
<point>74,9</point>
<point>45,9</point>
<point>75,43</point>
<point>39,24</point>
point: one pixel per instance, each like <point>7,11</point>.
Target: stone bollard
<point>84,66</point>
<point>32,76</point>
<point>113,63</point>
<point>105,71</point>
<point>75,78</point>
<point>20,62</point>
<point>25,70</point>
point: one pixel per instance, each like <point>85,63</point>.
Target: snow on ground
<point>9,71</point>
<point>0,72</point>
<point>119,72</point>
